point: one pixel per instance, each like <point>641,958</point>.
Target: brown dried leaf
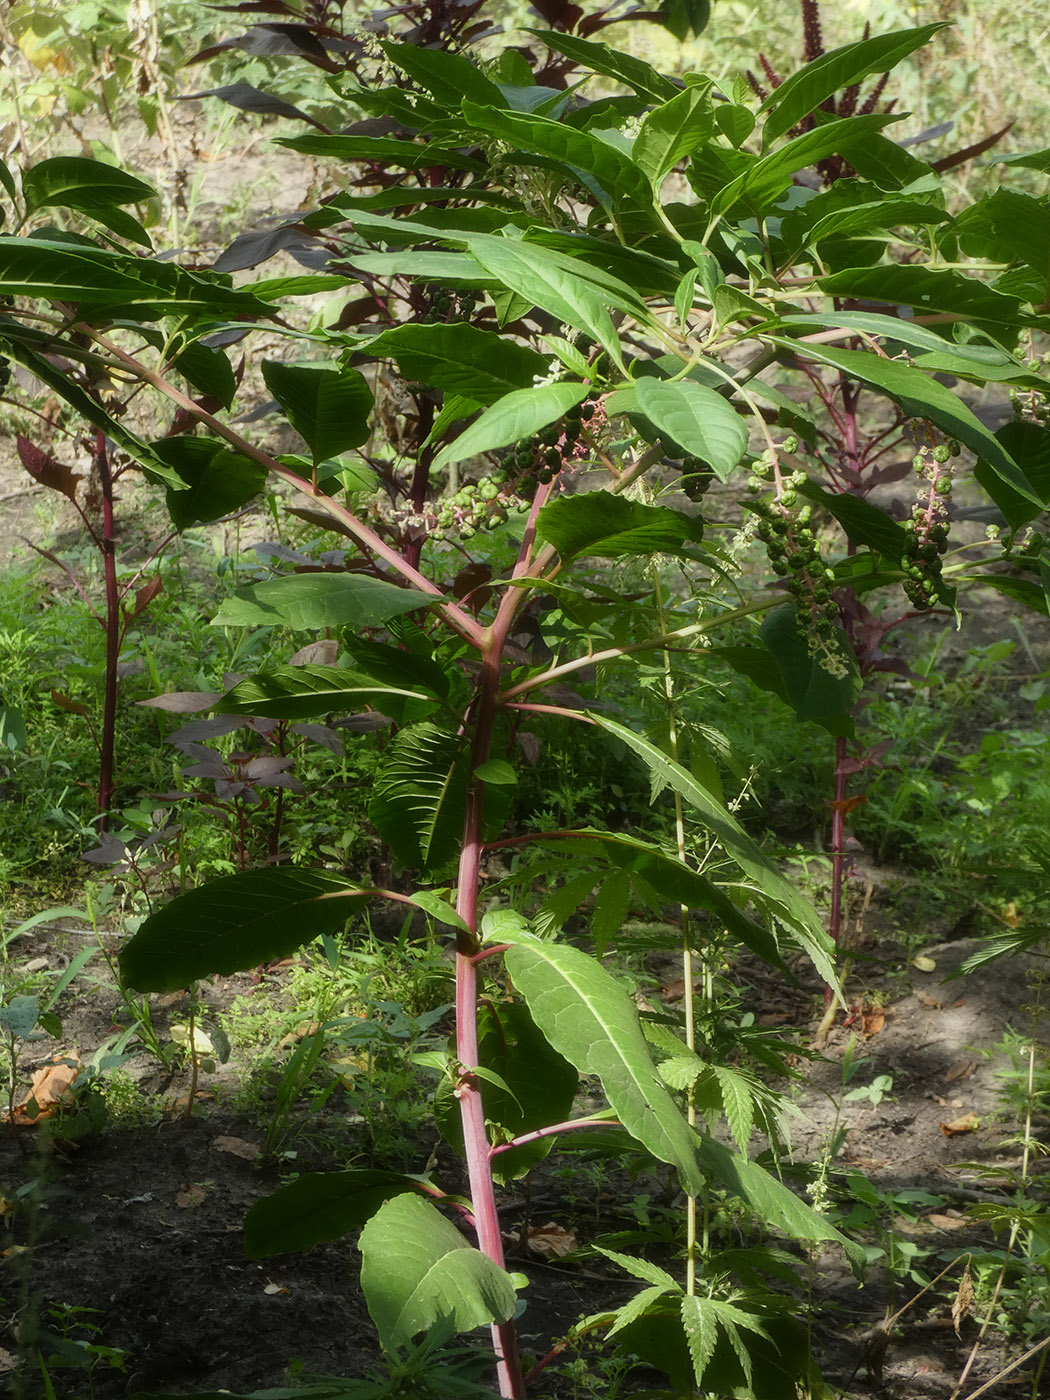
<point>190,1196</point>
<point>51,1084</point>
<point>924,999</point>
<point>322,653</point>
<point>872,1020</point>
<point>962,1070</point>
<point>963,1298</point>
<point>238,1147</point>
<point>551,1241</point>
<point>65,703</point>
<point>946,1222</point>
<point>968,1123</point>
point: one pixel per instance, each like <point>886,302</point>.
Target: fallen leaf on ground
<point>300,1033</point>
<point>924,999</point>
<point>7,1361</point>
<point>924,963</point>
<point>200,1040</point>
<point>190,1197</point>
<point>962,1070</point>
<point>963,1298</point>
<point>966,1124</point>
<point>550,1241</point>
<point>272,1288</point>
<point>51,1084</point>
<point>946,1222</point>
<point>872,1020</point>
<point>1011,915</point>
<point>238,1147</point>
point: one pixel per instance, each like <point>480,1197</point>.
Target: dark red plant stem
<point>838,834</point>
<point>108,544</point>
<point>569,1126</point>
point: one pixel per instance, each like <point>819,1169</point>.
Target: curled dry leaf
<point>962,1070</point>
<point>51,1084</point>
<point>963,1298</point>
<point>946,1222</point>
<point>872,1020</point>
<point>190,1196</point>
<point>550,1241</point>
<point>968,1123</point>
<point>238,1147</point>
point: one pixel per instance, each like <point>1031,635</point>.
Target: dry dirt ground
<point>142,1225</point>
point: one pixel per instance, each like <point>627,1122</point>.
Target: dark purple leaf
<point>266,765</point>
<point>183,702</point>
<point>322,734</point>
<point>46,469</point>
<point>273,41</point>
<point>251,249</point>
<point>215,769</point>
<point>187,737</point>
<point>109,851</point>
<point>252,99</point>
<point>363,724</point>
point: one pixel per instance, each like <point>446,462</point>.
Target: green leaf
<point>236,923</point>
<point>461,359</point>
<point>610,909</point>
<point>417,1269</point>
<point>1029,446</point>
<point>812,692</point>
<point>773,1202</point>
<point>863,522</point>
<point>439,909</point>
<point>385,150</point>
<point>571,149</point>
<point>684,18</point>
<point>301,692</point>
<point>1017,225</point>
<point>312,602</point>
<point>518,415</point>
<point>762,183</point>
<point>673,131</point>
<point>317,1207</point>
<point>215,480</point>
<point>400,667</point>
<point>641,77</point>
<point>590,1019</point>
<point>496,771</point>
<point>795,911</point>
<point>91,187</point>
<point>698,419</point>
<point>738,1101</point>
<point>805,90</point>
<point>541,278</point>
<point>922,397</point>
<point>641,1269</point>
<point>54,270</point>
<point>700,1325</point>
<point>613,527</point>
<point>449,77</point>
<point>537,1088</point>
<point>419,795</point>
<point>927,290</point>
<point>327,405</point>
<point>207,369</point>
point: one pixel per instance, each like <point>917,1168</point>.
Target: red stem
<point>107,743</point>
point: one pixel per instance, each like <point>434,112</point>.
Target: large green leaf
<point>91,187</point>
<point>793,910</point>
<point>311,602</point>
<point>762,183</point>
<point>540,277</point>
<point>531,1086</point>
<point>1028,444</point>
<point>926,289</point>
<point>419,795</point>
<point>612,527</point>
<point>461,359</point>
<point>215,480</point>
<point>54,270</point>
<point>863,522</point>
<point>417,1269</point>
<point>236,923</point>
<point>805,90</point>
<point>515,416</point>
<point>300,692</point>
<point>695,417</point>
<point>772,1201</point>
<point>317,1207</point>
<point>922,397</point>
<point>385,150</point>
<point>327,405</point>
<point>634,73</point>
<point>450,77</point>
<point>1010,223</point>
<point>812,692</point>
<point>571,149</point>
<point>674,130</point>
<point>589,1017</point>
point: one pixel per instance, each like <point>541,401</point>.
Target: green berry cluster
<point>1031,405</point>
<point>786,530</point>
<point>479,505</point>
<point>446,305</point>
<point>926,532</point>
<point>697,477</point>
<point>537,461</point>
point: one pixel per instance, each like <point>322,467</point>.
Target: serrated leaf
<point>301,692</point>
<point>699,420</point>
<point>461,359</point>
<point>419,795</point>
<point>518,415</point>
<point>417,1269</point>
<point>804,91</point>
<point>612,527</point>
<point>738,1101</point>
<point>637,1307</point>
<point>700,1326</point>
<point>681,1069</point>
<point>234,924</point>
<point>610,909</point>
<point>795,911</point>
<point>312,602</point>
<point>328,405</point>
<point>589,1018</point>
<point>641,1269</point>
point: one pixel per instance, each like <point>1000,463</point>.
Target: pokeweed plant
<point>553,311</point>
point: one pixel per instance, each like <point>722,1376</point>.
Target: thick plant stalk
<point>107,737</point>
